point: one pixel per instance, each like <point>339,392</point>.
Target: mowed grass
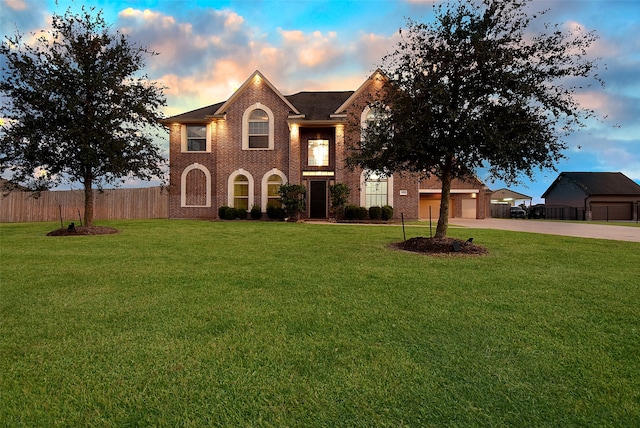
<point>192,323</point>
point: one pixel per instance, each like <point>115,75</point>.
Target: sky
<point>207,49</point>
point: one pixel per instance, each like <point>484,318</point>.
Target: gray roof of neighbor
<point>314,105</point>
<point>600,183</point>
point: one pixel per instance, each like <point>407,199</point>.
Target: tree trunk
<point>443,220</point>
<point>88,201</point>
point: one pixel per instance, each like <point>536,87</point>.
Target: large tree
<point>77,107</point>
<point>474,89</point>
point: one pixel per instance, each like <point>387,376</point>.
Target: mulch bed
<point>441,246</point>
<point>84,231</point>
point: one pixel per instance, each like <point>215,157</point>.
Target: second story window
<point>318,153</point>
<point>258,129</point>
<point>196,138</point>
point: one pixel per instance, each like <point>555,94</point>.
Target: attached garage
<point>430,206</point>
<point>462,204</point>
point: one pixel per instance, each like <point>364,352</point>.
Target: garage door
<point>468,208</point>
<point>612,211</point>
<point>429,202</point>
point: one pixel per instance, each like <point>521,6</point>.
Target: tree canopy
<point>77,107</point>
<point>477,88</point>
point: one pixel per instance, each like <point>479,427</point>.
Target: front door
<point>318,199</point>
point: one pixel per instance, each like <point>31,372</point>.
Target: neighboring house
<point>593,196</point>
<point>502,200</point>
<point>238,152</point>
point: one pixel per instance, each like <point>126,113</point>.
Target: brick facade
<point>201,182</point>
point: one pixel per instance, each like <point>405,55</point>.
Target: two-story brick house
<point>239,151</point>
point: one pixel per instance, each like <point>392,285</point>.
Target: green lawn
<point>189,324</point>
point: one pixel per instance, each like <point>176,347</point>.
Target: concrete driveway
<point>582,230</point>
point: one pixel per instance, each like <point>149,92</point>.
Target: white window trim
<point>265,185</point>
<point>230,182</point>
<point>183,185</point>
<point>363,189</point>
<point>183,139</point>
<point>245,127</point>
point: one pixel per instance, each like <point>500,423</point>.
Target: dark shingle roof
<point>314,106</point>
<point>601,183</point>
<point>198,114</point>
<point>318,105</point>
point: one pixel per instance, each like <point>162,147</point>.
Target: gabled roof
<point>508,194</point>
<point>256,75</point>
<point>377,75</point>
<point>599,183</point>
<point>307,106</point>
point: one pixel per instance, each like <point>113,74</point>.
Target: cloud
<point>16,4</point>
<point>313,50</point>
<point>18,15</point>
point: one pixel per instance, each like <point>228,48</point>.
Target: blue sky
<point>208,48</point>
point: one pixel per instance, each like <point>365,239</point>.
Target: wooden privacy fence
<point>150,202</point>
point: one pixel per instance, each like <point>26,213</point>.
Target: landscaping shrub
<point>354,212</point>
<point>339,193</point>
<point>375,213</point>
<point>362,213</point>
<point>387,212</point>
<point>293,198</point>
<point>229,213</point>
<point>222,211</point>
<point>256,212</point>
<point>241,213</point>
<point>275,212</point>
<point>350,212</point>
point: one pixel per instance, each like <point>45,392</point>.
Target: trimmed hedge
<point>256,212</point>
<point>375,213</point>
<point>387,212</point>
<point>275,212</point>
<point>354,212</point>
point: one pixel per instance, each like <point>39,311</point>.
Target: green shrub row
<point>230,213</point>
<point>274,212</point>
<point>354,212</point>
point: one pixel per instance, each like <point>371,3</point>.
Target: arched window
<point>273,186</point>
<point>241,192</point>
<point>240,189</point>
<point>195,189</point>
<point>370,117</point>
<point>271,183</point>
<point>258,128</point>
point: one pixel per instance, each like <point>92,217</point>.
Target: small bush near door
<point>275,212</point>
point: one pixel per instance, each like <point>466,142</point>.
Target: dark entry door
<point>318,199</point>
